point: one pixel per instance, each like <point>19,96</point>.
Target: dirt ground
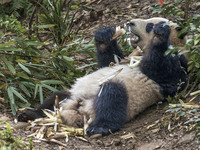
<point>149,130</point>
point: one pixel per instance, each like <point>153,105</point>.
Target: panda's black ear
<point>149,27</point>
<point>182,33</point>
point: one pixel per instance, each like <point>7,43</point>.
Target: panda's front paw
<point>95,129</point>
<point>162,30</point>
<point>104,35</point>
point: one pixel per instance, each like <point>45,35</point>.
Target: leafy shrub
<point>193,44</point>
<point>8,141</point>
<point>30,67</point>
<point>17,8</point>
<point>57,23</point>
<point>10,23</point>
<point>26,70</point>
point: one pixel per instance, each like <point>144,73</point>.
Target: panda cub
<point>130,92</point>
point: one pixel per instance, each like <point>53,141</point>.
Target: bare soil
<point>149,130</point>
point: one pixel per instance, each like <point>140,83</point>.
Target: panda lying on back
<point>130,92</point>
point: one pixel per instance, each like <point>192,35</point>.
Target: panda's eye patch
<point>131,24</point>
<point>149,27</point>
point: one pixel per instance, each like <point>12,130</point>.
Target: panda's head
<point>142,32</point>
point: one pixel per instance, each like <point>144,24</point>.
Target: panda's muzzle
<point>135,38</point>
<point>132,36</point>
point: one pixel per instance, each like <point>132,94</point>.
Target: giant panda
<point>118,100</point>
<point>142,37</point>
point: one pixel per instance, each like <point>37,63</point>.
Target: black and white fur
<point>141,28</point>
<point>118,100</point>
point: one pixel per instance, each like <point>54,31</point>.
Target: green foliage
<point>31,67</point>
<point>10,23</point>
<point>168,9</point>
<point>16,8</point>
<point>126,47</point>
<point>8,141</point>
<point>56,22</point>
<point>27,71</point>
<point>190,117</point>
<point>193,44</point>
<point>198,130</point>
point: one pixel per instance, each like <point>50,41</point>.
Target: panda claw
<point>94,130</point>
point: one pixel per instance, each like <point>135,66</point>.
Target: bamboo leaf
<point>10,95</point>
<point>34,43</point>
<point>1,74</point>
<point>190,67</point>
<point>68,58</point>
<point>22,105</point>
<point>196,41</point>
<point>10,49</point>
<point>24,89</point>
<point>24,68</point>
<point>46,26</point>
<point>13,108</point>
<point>41,94</point>
<point>51,82</point>
<point>36,90</point>
<point>50,87</point>
<point>85,66</point>
<point>197,65</point>
<point>18,95</point>
<point>21,61</point>
<point>22,75</point>
<point>9,65</point>
<point>7,44</point>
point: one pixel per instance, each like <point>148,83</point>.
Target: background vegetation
<point>42,56</point>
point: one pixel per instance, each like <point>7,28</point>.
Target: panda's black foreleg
<point>110,108</point>
<point>107,48</point>
<point>48,104</point>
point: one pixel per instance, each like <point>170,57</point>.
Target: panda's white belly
<point>142,92</point>
<point>87,87</point>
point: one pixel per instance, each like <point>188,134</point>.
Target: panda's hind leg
<point>110,108</point>
<point>48,104</point>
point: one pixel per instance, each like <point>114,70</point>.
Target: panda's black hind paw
<point>104,35</point>
<point>100,129</point>
<point>29,115</point>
